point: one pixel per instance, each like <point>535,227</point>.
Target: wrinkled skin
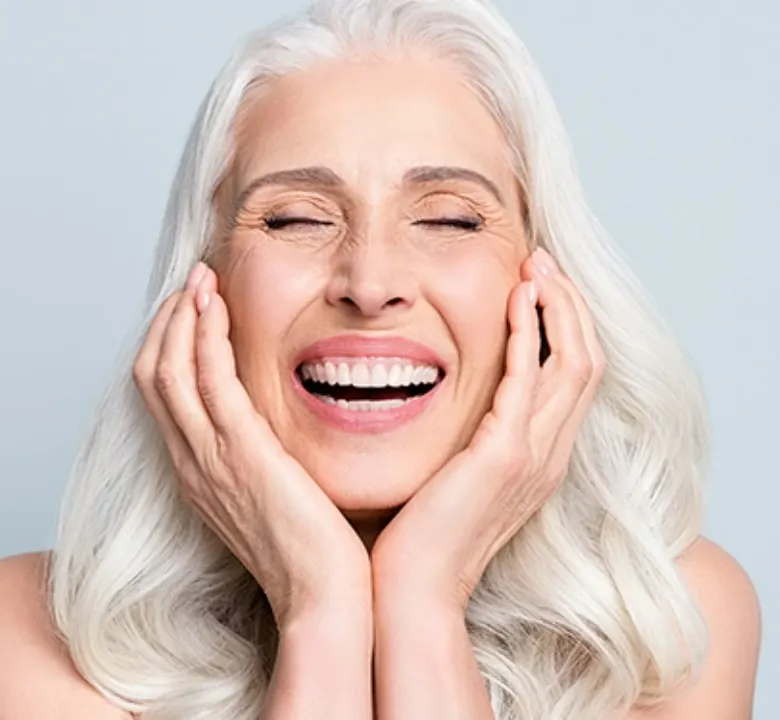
<point>376,269</point>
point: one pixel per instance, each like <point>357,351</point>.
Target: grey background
<point>674,112</point>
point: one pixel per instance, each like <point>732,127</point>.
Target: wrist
<point>400,597</point>
<point>413,612</point>
<point>330,620</point>
<point>424,662</point>
<point>323,665</point>
<point>346,596</point>
<point>342,604</point>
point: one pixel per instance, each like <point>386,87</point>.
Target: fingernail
<point>202,301</point>
<point>540,263</point>
<point>530,291</point>
<point>548,260</point>
<point>196,275</point>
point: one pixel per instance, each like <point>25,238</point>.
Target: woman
<point>370,423</point>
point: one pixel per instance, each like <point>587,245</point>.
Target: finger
<point>568,371</point>
<point>210,282</point>
<point>513,398</point>
<point>175,375</point>
<point>595,351</point>
<point>566,438</point>
<point>144,369</point>
<point>224,396</point>
<point>588,327</point>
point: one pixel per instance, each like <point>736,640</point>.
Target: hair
<point>581,614</point>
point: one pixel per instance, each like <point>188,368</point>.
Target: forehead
<point>371,119</point>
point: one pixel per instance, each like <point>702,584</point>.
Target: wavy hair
<point>581,615</point>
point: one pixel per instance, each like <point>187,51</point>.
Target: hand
<point>442,540</point>
<point>232,468</point>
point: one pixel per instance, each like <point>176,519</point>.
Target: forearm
<point>424,666</point>
<point>323,668</point>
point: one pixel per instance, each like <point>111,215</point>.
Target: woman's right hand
<point>233,469</point>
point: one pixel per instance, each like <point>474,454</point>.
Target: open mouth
<point>365,386</point>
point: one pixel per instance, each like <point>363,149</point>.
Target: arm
<point>429,559</point>
<point>234,471</point>
<point>323,667</point>
<point>425,666</point>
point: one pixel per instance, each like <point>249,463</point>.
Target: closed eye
<point>279,223</point>
<point>460,223</point>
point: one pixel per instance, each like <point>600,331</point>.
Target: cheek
<point>266,289</point>
<point>473,289</point>
<point>471,295</point>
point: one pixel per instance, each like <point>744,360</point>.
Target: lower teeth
<point>362,405</point>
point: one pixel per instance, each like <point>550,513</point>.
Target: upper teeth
<point>369,373</point>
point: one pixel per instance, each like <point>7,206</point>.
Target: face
<point>366,279</point>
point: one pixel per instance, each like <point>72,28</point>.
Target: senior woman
<point>376,452</point>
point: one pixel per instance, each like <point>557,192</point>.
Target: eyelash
<point>468,224</point>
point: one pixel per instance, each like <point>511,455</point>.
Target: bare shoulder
<point>729,603</point>
<point>37,677</point>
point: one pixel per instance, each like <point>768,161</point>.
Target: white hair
<point>581,615</point>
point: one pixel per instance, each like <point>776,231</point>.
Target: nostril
<point>370,306</point>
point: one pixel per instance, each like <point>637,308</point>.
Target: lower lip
<point>368,421</point>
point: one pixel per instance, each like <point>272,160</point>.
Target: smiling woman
<point>376,452</point>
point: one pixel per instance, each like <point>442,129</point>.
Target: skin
<point>374,271</point>
<point>353,541</point>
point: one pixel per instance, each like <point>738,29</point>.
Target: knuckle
<point>210,394</point>
<point>229,452</point>
<point>165,379</point>
<point>181,465</point>
<point>206,382</point>
<point>581,369</point>
<point>141,372</point>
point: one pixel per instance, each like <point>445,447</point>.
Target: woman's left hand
<point>437,547</point>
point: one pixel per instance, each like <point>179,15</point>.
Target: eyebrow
<point>318,177</point>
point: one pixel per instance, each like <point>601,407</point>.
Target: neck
<point>369,524</point>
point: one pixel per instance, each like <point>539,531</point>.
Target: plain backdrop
<point>674,112</point>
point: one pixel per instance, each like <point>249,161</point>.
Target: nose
<point>372,279</point>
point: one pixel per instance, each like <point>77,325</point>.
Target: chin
<point>368,482</point>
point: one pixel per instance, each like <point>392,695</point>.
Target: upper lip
<point>364,346</point>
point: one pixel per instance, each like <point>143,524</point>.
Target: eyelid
<point>472,198</point>
<point>465,223</point>
<point>300,204</point>
<point>294,220</point>
<point>453,204</point>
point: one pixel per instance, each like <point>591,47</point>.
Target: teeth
<point>363,405</point>
<point>343,376</point>
<point>361,377</point>
<point>331,374</point>
<point>423,375</point>
<point>370,374</point>
<point>395,377</point>
<point>379,376</point>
